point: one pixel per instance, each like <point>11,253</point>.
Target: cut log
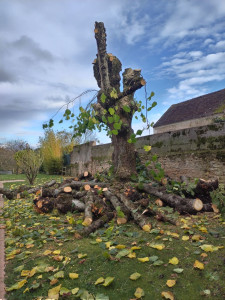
<point>159,216</point>
<point>23,190</point>
<point>117,204</point>
<point>79,194</point>
<point>159,202</point>
<point>8,193</point>
<point>141,220</point>
<point>64,203</point>
<point>79,184</point>
<point>87,187</point>
<point>86,175</point>
<point>78,205</point>
<point>204,188</point>
<point>88,217</point>
<point>44,205</point>
<point>97,224</point>
<point>44,186</point>
<point>67,189</point>
<point>182,205</point>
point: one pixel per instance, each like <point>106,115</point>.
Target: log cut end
<point>197,204</point>
<point>121,221</point>
<point>87,221</point>
<point>67,189</point>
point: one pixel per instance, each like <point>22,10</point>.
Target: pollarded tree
<point>114,109</point>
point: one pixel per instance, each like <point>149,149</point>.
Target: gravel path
<point>2,251</point>
<point>2,245</point>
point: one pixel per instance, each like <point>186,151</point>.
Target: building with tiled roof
<point>199,111</point>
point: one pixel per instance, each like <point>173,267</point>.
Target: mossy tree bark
<point>107,69</point>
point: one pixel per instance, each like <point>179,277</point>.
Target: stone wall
<point>187,124</point>
<point>194,152</point>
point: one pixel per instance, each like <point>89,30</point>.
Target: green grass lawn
<point>31,271</point>
<point>41,178</point>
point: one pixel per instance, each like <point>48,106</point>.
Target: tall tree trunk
<point>107,69</point>
<point>124,156</point>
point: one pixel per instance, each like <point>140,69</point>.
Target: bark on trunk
<point>124,158</point>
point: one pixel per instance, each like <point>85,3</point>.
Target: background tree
<point>29,161</point>
<point>7,152</point>
<point>16,145</point>
<point>51,149</point>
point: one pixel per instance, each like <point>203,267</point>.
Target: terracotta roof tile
<point>195,108</point>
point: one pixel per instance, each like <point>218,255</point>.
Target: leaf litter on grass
<point>33,240</point>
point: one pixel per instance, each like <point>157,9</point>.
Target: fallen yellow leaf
<point>203,229</point>
<point>73,275</point>
<point>25,273</point>
<point>81,255</point>
<point>168,295</point>
<point>204,255</point>
<point>120,246</point>
<point>198,265</point>
<point>209,248</point>
<point>185,238</point>
<point>143,259</point>
<point>17,285</point>
<point>174,261</point>
<point>47,252</point>
<point>135,248</point>
<point>54,293</point>
<point>75,291</point>
<point>132,255</point>
<point>170,283</point>
<point>157,246</point>
<point>147,227</point>
<point>58,257</point>
<point>135,276</point>
<point>139,293</point>
<point>99,280</point>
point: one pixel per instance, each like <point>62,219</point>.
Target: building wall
<point>194,152</point>
<point>186,124</point>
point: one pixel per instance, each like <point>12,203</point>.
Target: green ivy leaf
<point>152,95</point>
<point>139,132</point>
<point>147,148</point>
<point>113,94</point>
<point>104,119</point>
<point>111,111</point>
<point>103,97</point>
<point>115,132</point>
<point>126,108</point>
<point>117,126</point>
<point>110,119</point>
<point>116,118</point>
<point>67,111</point>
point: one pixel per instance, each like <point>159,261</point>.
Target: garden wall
<point>195,152</point>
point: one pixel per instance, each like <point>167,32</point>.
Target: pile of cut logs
<point>100,202</point>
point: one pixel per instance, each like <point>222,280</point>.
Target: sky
<point>47,48</point>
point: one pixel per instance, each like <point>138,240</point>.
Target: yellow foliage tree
<point>51,148</point>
